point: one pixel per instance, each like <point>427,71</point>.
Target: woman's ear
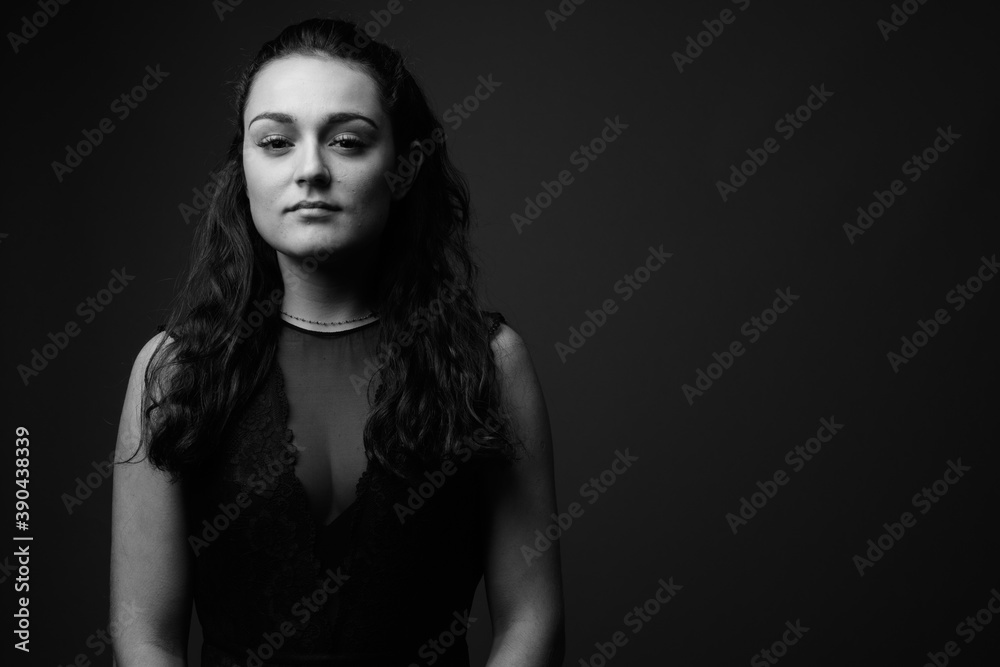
<point>406,171</point>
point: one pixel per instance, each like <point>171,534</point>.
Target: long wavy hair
<point>221,336</point>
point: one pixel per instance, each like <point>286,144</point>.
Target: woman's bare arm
<point>524,591</point>
<point>150,566</point>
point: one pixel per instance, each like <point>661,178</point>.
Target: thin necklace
<point>370,314</point>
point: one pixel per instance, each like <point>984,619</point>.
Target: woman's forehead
<point>308,87</point>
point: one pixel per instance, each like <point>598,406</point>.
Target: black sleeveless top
<point>296,565</point>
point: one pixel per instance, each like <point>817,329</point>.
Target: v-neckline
<point>288,437</point>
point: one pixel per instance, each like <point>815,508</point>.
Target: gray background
<point>656,184</point>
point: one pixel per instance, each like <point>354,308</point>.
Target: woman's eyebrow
<point>331,119</point>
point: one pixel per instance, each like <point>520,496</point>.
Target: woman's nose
<point>313,167</point>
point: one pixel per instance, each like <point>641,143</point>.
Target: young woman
<point>330,444</point>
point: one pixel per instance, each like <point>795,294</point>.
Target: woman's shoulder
<point>503,338</point>
<point>494,320</point>
<point>149,348</point>
<point>509,348</point>
<point>151,355</point>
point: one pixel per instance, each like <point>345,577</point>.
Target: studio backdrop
<point>751,245</point>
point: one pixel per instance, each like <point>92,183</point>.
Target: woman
<point>336,443</point>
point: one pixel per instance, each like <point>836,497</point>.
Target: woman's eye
<point>273,143</point>
<point>348,141</point>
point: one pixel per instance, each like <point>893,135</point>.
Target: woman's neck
<point>334,291</point>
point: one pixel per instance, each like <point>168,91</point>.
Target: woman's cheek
<point>377,184</point>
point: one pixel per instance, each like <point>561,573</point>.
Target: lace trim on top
<point>250,578</point>
<point>288,436</point>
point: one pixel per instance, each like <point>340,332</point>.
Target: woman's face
<point>314,131</point>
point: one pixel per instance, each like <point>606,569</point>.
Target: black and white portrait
<point>403,333</point>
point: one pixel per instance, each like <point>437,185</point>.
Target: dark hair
<point>221,337</point>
